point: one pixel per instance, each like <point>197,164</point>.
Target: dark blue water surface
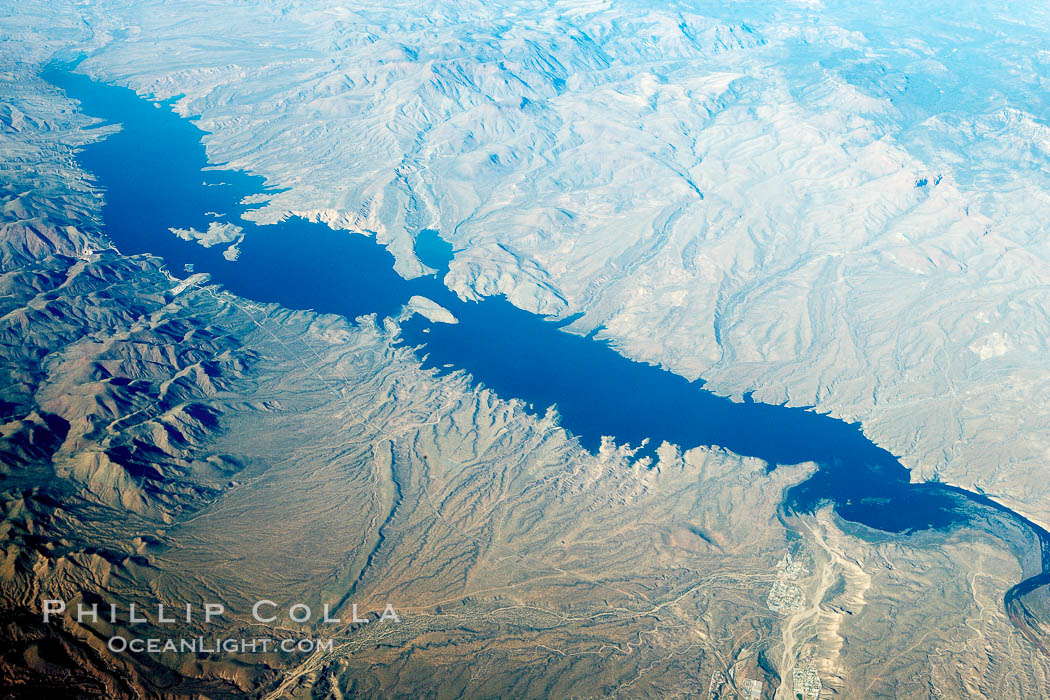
<point>155,173</point>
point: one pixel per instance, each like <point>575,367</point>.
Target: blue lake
<point>156,176</point>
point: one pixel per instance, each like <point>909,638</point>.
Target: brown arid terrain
<point>163,441</point>
<point>193,446</point>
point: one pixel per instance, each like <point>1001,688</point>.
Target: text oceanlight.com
<point>202,645</point>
